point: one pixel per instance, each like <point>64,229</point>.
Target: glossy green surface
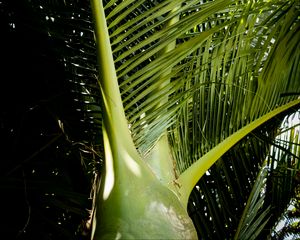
<point>141,208</point>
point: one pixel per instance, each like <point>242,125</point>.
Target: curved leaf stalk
<point>131,203</point>
<point>188,179</point>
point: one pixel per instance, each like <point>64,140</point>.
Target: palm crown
<point>199,90</point>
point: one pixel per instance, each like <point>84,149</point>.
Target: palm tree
<point>193,94</point>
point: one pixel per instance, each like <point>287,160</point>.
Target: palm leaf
<point>254,219</point>
<point>257,197</point>
<point>233,91</point>
<point>139,55</point>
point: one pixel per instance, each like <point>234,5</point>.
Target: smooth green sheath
<point>131,202</point>
<point>160,159</point>
<point>161,162</point>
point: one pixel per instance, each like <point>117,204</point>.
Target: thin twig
<point>28,205</point>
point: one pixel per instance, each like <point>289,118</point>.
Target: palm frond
<point>139,63</point>
<point>251,185</point>
<point>254,218</point>
<point>236,94</point>
<point>229,183</point>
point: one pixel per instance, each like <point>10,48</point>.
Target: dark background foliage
<point>44,188</point>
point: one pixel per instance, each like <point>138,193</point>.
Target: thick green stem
<point>113,106</point>
<point>131,203</point>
